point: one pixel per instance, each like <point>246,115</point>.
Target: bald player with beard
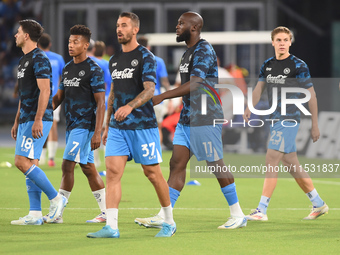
<point>195,133</point>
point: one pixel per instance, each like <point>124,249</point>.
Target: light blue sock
<point>264,202</point>
<point>34,195</point>
<point>315,198</point>
<point>37,176</point>
<point>230,194</point>
<point>174,194</point>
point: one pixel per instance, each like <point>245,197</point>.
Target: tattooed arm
<point>110,105</point>
<point>142,98</point>
<point>109,113</point>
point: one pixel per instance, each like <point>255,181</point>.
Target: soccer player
<point>97,55</point>
<point>99,51</point>
<point>162,80</point>
<point>194,131</point>
<point>131,127</point>
<point>33,122</point>
<point>83,89</point>
<point>283,71</point>
<point>57,63</point>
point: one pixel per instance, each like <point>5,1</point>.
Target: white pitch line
<point>188,209</point>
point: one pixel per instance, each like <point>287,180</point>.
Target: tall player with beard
<point>33,122</point>
<point>131,128</point>
<point>83,89</point>
<point>282,71</point>
<point>194,130</point>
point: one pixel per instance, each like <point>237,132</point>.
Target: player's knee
<point>175,164</point>
<point>22,163</point>
<point>67,168</point>
<point>86,170</point>
<point>113,173</point>
<point>151,176</point>
<point>19,164</point>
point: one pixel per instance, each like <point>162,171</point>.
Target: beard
<point>125,39</point>
<point>185,36</point>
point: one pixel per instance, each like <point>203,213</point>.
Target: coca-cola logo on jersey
<point>21,73</point>
<point>127,73</point>
<point>280,79</point>
<point>184,68</point>
<point>72,83</point>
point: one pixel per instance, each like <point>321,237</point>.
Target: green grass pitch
<point>198,213</point>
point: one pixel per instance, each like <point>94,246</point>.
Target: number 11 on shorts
<point>208,148</point>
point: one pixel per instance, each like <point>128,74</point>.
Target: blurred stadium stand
<point>314,42</point>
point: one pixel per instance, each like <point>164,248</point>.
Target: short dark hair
<point>81,30</point>
<point>44,41</point>
<point>142,40</point>
<point>99,48</point>
<point>33,28</point>
<point>134,18</point>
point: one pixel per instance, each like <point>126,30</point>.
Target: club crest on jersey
<point>81,73</point>
<point>26,64</point>
<point>286,71</point>
<point>134,62</point>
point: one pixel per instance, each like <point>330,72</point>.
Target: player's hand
<point>104,136</point>
<point>95,141</point>
<point>122,112</point>
<point>37,129</point>
<point>246,114</point>
<point>157,100</point>
<point>315,133</point>
<point>14,131</point>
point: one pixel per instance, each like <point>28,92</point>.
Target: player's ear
<point>136,30</point>
<point>86,45</point>
<point>193,28</point>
